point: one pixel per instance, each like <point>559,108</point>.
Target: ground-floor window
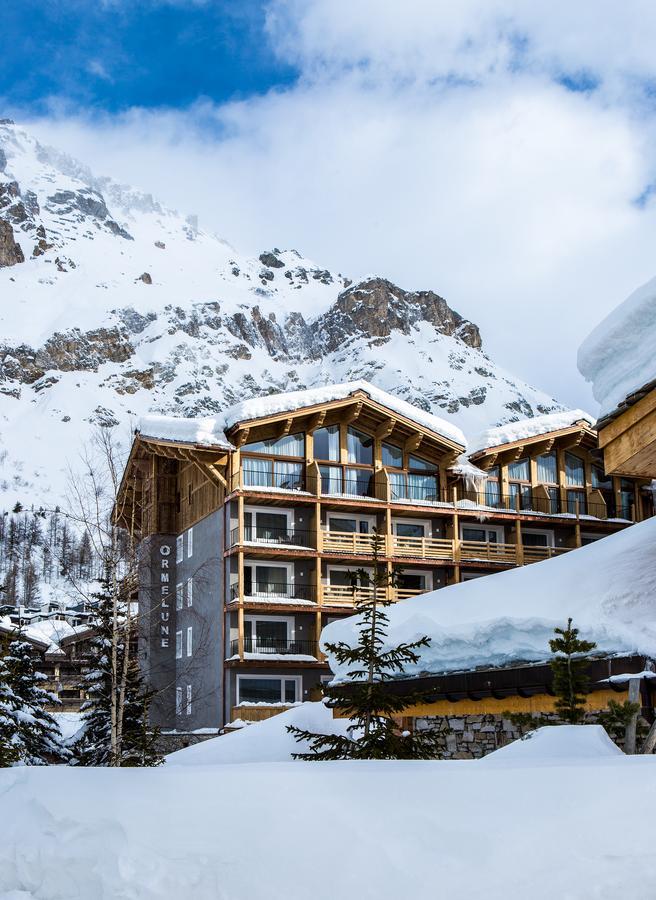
<point>268,689</point>
<point>537,538</point>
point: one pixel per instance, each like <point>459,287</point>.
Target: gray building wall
<point>157,624</point>
<point>203,669</point>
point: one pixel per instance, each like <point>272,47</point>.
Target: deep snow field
<point>563,815</point>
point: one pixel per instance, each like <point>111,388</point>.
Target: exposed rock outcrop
<point>10,252</point>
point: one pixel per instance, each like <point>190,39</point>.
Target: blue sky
<point>112,56</point>
<point>499,152</point>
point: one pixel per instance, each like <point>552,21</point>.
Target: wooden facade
<point>627,437</point>
<point>301,491</point>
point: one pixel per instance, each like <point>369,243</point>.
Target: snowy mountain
<point>113,306</point>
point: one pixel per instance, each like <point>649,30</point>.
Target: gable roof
<point>527,429</point>
<point>210,431</point>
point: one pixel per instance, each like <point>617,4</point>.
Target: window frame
<point>189,700</point>
<point>178,701</point>
<point>179,596</point>
<point>189,644</point>
<point>483,526</point>
<point>547,532</point>
<point>178,644</point>
<point>190,542</point>
<point>179,548</point>
<point>298,679</point>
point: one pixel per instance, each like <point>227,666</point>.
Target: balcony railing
<point>346,542</point>
<point>277,537</point>
<point>557,505</point>
<point>348,484</point>
<point>421,547</point>
<point>490,552</point>
<point>275,647</point>
<point>271,592</point>
<point>254,479</point>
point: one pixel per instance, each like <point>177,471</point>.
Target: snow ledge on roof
<point>528,428</point>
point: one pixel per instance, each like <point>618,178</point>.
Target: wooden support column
<point>519,544</point>
<point>240,520</point>
<point>319,601</point>
<point>503,484</point>
<point>240,603</point>
<point>631,728</point>
<point>235,471</point>
<point>577,534</point>
<point>562,480</point>
<point>317,526</point>
<point>389,543</point>
<point>456,537</point>
<point>154,495</point>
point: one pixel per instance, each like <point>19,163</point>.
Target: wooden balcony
<point>421,548</point>
<point>256,713</point>
<point>343,594</point>
<point>537,554</point>
<point>346,542</point>
<point>488,552</point>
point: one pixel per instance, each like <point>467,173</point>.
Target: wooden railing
<point>421,547</point>
<point>343,594</point>
<point>256,713</point>
<point>537,554</point>
<point>346,542</point>
<point>490,552</point>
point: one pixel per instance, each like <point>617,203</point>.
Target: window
<point>267,634</point>
<point>267,580</point>
<point>421,465</point>
<point>414,581</point>
<point>413,487</point>
<point>269,526</point>
<point>519,470</point>
<point>537,538</point>
<point>554,500</point>
<point>343,577</point>
<point>519,490</point>
<point>190,592</point>
<point>576,502</point>
<point>485,535</point>
<point>179,590</point>
<point>392,456</point>
<point>326,443</point>
<point>268,689</point>
<point>627,499</point>
<point>190,543</point>
<point>178,701</point>
<point>417,529</point>
<point>600,480</point>
<point>178,645</point>
<point>360,526</point>
<point>360,447</point>
<point>188,709</point>
<point>272,473</point>
<point>354,482</point>
<point>289,445</point>
<point>189,640</point>
<point>574,471</point>
<point>547,468</point>
<point>179,548</point>
<point>492,490</point>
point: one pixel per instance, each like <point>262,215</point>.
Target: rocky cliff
<point>112,306</point>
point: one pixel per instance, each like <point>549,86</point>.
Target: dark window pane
<point>290,690</point>
<point>360,447</point>
<point>406,529</point>
<point>530,539</point>
<point>421,465</point>
<point>392,456</point>
<point>349,525</point>
<point>259,690</point>
<point>331,479</point>
<point>326,443</point>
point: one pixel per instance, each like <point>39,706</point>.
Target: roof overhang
<point>627,436</point>
<point>580,434</point>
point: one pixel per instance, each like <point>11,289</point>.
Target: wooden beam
<point>574,441</point>
<point>285,427</point>
<point>544,447</point>
<point>241,437</point>
<point>316,421</point>
<point>413,442</point>
<point>386,428</point>
<point>353,413</point>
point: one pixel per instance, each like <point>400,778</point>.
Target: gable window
<point>272,473</point>
<point>326,443</point>
<point>346,480</point>
<point>289,445</point>
<point>519,488</point>
<point>416,464</point>
<point>547,468</point>
<point>574,471</point>
<point>360,447</point>
<point>413,486</point>
<point>392,456</point>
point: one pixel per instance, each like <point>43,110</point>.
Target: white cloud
<point>507,193</point>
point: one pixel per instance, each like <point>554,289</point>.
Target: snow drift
<point>555,743</point>
<point>619,356</point>
<point>608,587</point>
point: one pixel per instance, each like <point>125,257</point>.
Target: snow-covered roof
<point>49,632</point>
<point>210,431</point>
<point>619,356</point>
<point>528,428</point>
<point>206,431</point>
<point>607,587</point>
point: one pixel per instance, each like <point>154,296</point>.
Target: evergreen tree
<point>137,744</point>
<point>38,733</point>
<point>10,749</point>
<point>616,718</point>
<point>366,696</point>
<point>570,672</point>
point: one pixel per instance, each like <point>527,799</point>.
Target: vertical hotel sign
<point>165,582</point>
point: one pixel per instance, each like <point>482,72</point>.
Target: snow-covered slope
<point>608,588</point>
<point>112,306</point>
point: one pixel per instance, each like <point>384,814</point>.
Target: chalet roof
<point>528,429</point>
<point>210,431</point>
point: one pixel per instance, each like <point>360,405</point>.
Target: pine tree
<point>38,732</point>
<point>366,697</point>
<point>10,748</point>
<point>570,668</point>
<point>137,744</point>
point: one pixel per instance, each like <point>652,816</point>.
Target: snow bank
<point>266,831</point>
<point>267,741</point>
<point>608,587</point>
<point>555,743</point>
<point>619,356</point>
<point>528,428</point>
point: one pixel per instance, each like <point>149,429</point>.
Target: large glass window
<point>326,443</point>
<point>267,581</point>
<point>519,470</point>
<point>353,526</point>
<point>520,495</point>
<point>251,689</point>
<point>627,499</point>
<point>272,473</point>
<point>417,464</point>
<point>413,487</point>
<point>574,470</point>
<point>268,526</point>
<point>360,447</point>
<point>492,488</point>
<point>547,468</point>
<point>409,529</point>
<point>289,445</point>
<point>392,456</point>
<point>600,480</point>
<point>331,479</point>
<point>484,535</point>
<point>576,502</point>
<point>358,482</point>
